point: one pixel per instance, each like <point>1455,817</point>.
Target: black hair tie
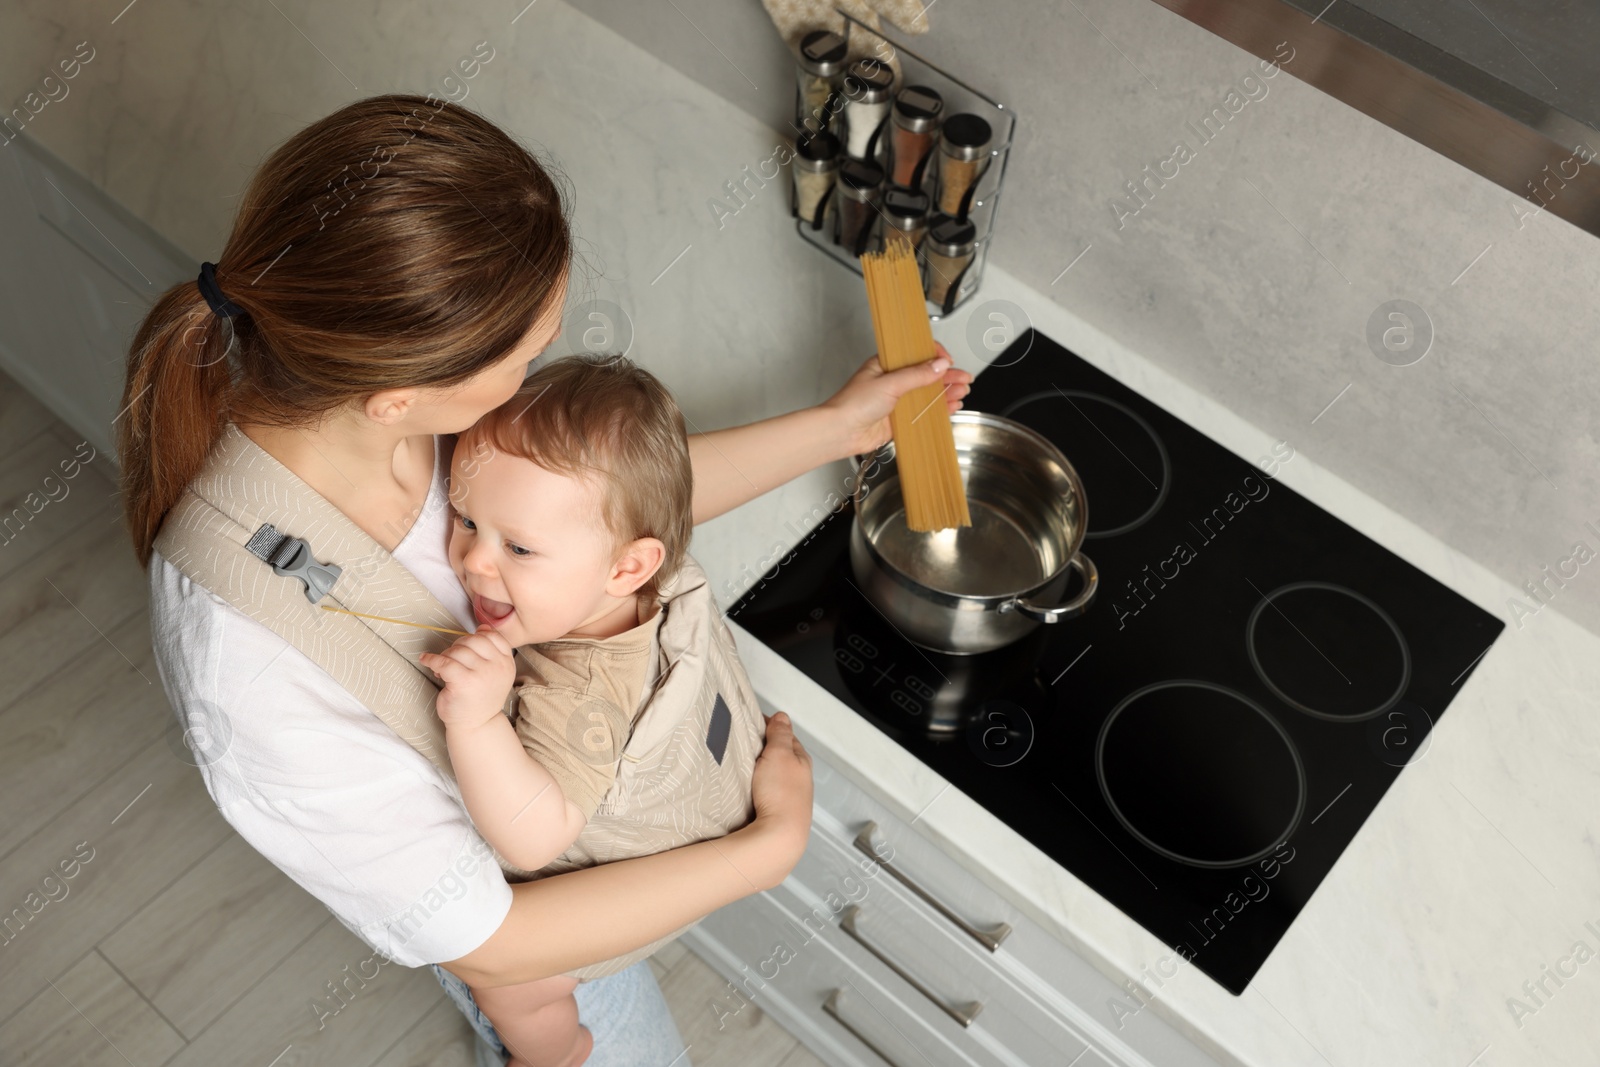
<point>220,304</point>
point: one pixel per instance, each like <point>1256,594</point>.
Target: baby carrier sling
<point>252,532</point>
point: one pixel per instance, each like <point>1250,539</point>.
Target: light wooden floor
<point>173,942</point>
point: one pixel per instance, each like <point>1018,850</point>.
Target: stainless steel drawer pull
<point>989,939</point>
<point>962,1013</point>
<point>831,1006</point>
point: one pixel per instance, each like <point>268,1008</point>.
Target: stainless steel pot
<point>976,588</point>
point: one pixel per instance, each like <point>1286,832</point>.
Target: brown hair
<point>607,419</point>
<point>399,242</point>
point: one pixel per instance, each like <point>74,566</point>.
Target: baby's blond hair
<point>606,419</point>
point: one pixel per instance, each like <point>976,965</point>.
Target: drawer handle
<point>963,1014</point>
<point>989,939</point>
<point>831,1006</point>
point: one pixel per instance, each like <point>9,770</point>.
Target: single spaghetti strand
<point>402,622</point>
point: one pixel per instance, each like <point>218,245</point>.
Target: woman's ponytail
<point>401,242</point>
<point>175,403</point>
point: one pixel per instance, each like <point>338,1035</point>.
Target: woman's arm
<point>739,464</point>
<point>572,920</point>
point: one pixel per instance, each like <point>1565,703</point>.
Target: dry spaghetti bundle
<point>924,447</point>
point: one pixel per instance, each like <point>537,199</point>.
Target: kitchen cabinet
<point>81,275</point>
<point>879,947</point>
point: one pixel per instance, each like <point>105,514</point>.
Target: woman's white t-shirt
<point>315,782</point>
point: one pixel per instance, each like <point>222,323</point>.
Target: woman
<point>392,271</point>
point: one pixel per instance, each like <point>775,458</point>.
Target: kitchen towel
<point>796,18</point>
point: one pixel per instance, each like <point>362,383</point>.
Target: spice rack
<point>959,98</point>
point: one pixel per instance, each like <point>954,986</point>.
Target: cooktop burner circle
<point>1333,653</point>
<point>1111,446</point>
<point>1200,774</point>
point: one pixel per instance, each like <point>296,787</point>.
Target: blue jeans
<point>625,1012</point>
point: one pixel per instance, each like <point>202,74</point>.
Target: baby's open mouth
<point>490,611</point>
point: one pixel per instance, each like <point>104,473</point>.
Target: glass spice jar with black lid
<point>868,91</point>
<point>947,252</point>
<point>913,128</point>
<point>963,157</point>
<point>905,216</point>
<point>821,68</point>
<point>860,184</point>
<point>815,166</point>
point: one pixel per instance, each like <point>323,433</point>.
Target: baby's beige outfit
<point>653,733</point>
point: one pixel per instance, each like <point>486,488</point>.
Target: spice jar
<point>905,217</point>
<point>867,91</point>
<point>947,252</point>
<point>912,128</point>
<point>860,183</point>
<point>821,66</point>
<point>816,163</point>
<point>963,157</point>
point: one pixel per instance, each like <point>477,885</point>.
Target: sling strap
<point>245,508</point>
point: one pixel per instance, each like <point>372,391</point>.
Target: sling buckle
<point>291,557</point>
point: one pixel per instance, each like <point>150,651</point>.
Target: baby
<point>600,711</point>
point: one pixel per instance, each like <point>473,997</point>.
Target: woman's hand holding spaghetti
<point>863,404</point>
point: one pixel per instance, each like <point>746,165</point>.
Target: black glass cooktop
<point>1203,742</point>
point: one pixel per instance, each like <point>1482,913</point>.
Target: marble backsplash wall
<point>1250,268</point>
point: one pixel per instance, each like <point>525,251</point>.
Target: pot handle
<point>860,464</point>
<point>1072,608</point>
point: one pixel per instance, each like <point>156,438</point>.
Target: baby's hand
<point>478,671</point>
